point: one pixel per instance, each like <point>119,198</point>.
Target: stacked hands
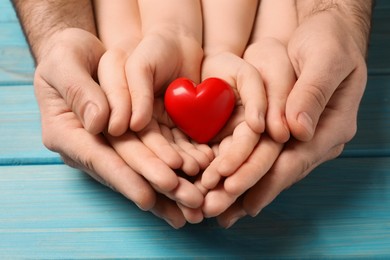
<point>297,69</point>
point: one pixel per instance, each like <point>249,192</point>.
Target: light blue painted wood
<point>16,64</point>
<point>21,143</point>
<point>341,210</point>
<point>47,210</point>
<point>373,136</point>
<point>7,14</point>
<point>379,52</point>
<point>20,129</point>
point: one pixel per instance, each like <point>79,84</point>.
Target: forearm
<point>227,25</point>
<point>180,17</point>
<point>117,21</point>
<point>41,19</point>
<point>356,13</point>
<point>275,19</point>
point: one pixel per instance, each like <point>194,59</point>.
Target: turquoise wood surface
<point>48,210</point>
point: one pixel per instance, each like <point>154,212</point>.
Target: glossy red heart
<point>201,110</point>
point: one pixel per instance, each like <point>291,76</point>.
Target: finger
<point>192,216</point>
<point>211,177</point>
<point>182,141</point>
<point>73,79</point>
<point>243,142</point>
<point>140,78</point>
<point>186,194</point>
<point>189,165</point>
<point>62,132</point>
<point>246,80</point>
<point>169,211</point>
<point>153,138</point>
<point>299,158</point>
<point>230,216</point>
<point>144,161</point>
<point>147,72</point>
<point>205,149</point>
<point>237,117</point>
<point>255,167</point>
<point>114,173</point>
<point>317,81</point>
<point>113,81</point>
<point>270,58</point>
<point>252,92</point>
<point>217,201</point>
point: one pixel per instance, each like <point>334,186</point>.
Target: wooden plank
<point>373,136</point>
<point>20,129</point>
<point>16,64</point>
<point>7,13</point>
<point>379,53</point>
<point>341,210</point>
<point>21,143</point>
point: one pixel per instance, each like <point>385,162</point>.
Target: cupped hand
<point>71,103</point>
<point>250,99</point>
<point>63,90</point>
<point>328,92</point>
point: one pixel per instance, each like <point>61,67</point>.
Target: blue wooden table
<point>49,210</point>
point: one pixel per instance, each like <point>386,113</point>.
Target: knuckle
<point>69,161</point>
<point>49,142</point>
<point>350,133</point>
<point>317,94</point>
<point>336,151</point>
<point>73,94</point>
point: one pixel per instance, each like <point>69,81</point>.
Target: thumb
<point>71,73</point>
<point>311,93</point>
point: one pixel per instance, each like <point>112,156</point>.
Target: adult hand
<point>67,86</point>
<point>322,107</point>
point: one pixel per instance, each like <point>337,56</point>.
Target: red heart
<point>199,111</point>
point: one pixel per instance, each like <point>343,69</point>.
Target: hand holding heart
<point>189,106</point>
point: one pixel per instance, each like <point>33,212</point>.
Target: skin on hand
<point>73,107</point>
<point>267,52</point>
<point>168,35</point>
<point>61,128</point>
<point>134,70</point>
<point>223,50</point>
<point>119,28</point>
<point>219,199</point>
<point>335,104</point>
<point>64,133</point>
<point>312,92</point>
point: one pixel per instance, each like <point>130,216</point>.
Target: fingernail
<point>305,120</point>
<point>170,223</point>
<point>256,213</point>
<point>179,223</point>
<point>232,221</point>
<point>235,218</point>
<point>90,114</point>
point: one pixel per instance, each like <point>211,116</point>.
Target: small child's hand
<point>158,59</point>
<point>245,81</point>
<point>270,58</point>
<point>165,140</point>
<point>251,100</point>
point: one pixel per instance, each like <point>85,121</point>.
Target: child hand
<point>251,101</point>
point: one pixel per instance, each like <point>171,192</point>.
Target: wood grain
<point>49,210</point>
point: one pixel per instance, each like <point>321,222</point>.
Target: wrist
<point>42,19</point>
<point>68,41</point>
<point>355,15</point>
